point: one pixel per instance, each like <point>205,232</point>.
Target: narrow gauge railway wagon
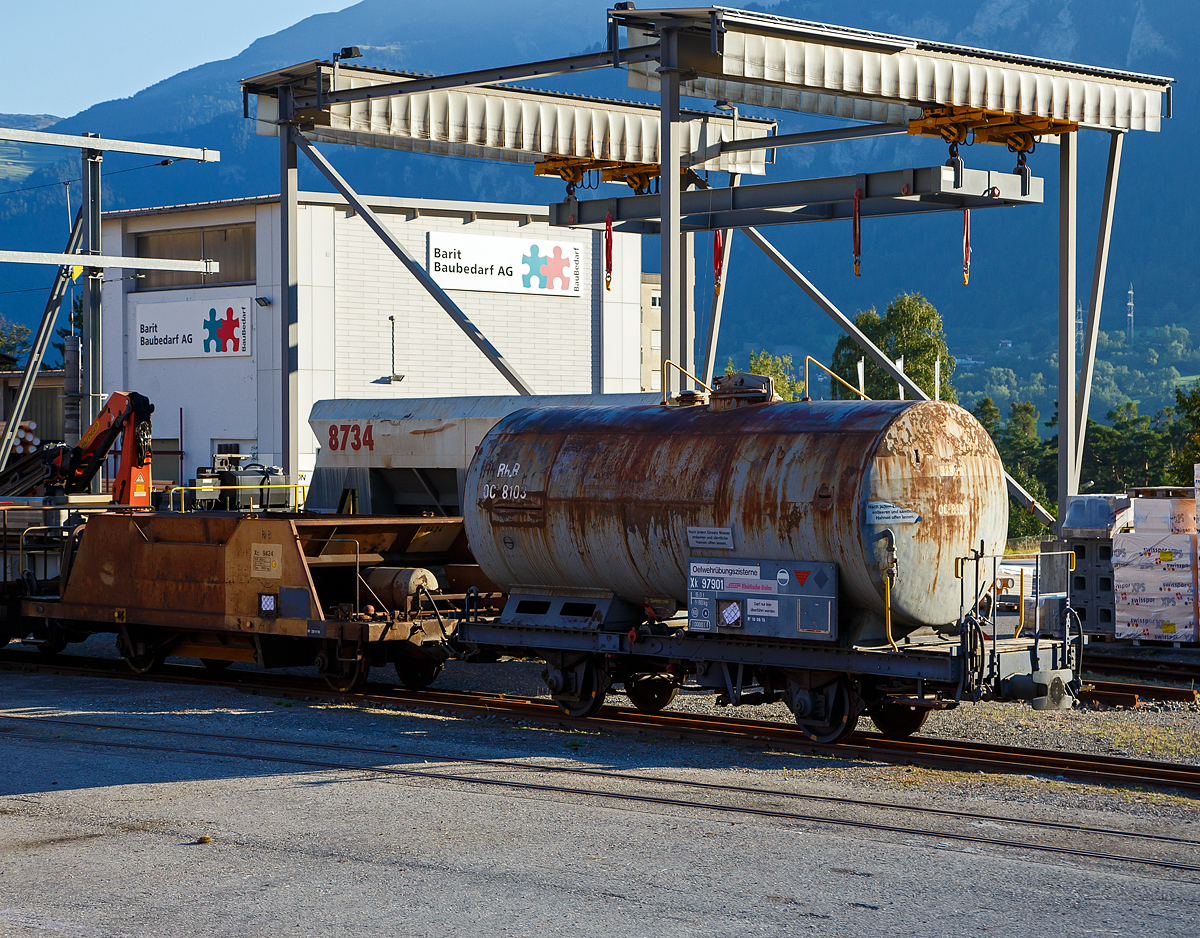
<point>814,552</point>
<point>344,593</point>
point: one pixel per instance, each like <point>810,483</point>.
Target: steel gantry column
<point>92,336</point>
<point>1067,230</point>
<point>718,303</point>
<point>289,289</point>
<point>1087,366</point>
<point>671,244</point>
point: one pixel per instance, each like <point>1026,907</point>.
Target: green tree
<point>988,414</point>
<point>14,338</point>
<point>910,327</point>
<point>1022,522</point>
<point>1187,408</point>
<point>777,367</point>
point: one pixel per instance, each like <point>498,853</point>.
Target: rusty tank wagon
<point>815,552</point>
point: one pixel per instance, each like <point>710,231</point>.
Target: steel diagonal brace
<point>848,326</point>
<point>414,267</point>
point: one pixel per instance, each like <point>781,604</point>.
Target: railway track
<point>769,803</point>
<point>1143,668</point>
<point>960,755</point>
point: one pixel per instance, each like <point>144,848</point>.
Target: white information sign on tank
<point>504,265</point>
<point>887,513</point>
<point>194,329</point>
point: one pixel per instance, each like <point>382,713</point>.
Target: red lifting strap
<point>608,239</point>
<point>718,257</point>
<point>966,245</point>
<point>857,223</point>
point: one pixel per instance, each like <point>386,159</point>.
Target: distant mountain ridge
<point>1013,289</point>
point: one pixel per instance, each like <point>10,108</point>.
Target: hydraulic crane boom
<point>70,469</point>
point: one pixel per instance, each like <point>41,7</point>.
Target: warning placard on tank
<point>711,538</point>
<point>887,513</point>
<point>266,561</point>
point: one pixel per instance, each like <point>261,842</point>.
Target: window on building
<point>656,338</point>
<point>656,299</point>
<point>232,247</point>
<point>656,381</point>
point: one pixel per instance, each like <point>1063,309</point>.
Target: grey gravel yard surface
<point>101,841</point>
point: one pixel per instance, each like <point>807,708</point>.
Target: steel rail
<point>1143,667</point>
<point>514,784</point>
<point>951,754</point>
<point>623,776</point>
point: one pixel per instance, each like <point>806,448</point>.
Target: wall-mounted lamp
<point>263,300</point>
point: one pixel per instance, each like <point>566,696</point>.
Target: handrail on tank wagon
<point>978,557</point>
<point>809,358</point>
<point>682,370</point>
<point>297,486</point>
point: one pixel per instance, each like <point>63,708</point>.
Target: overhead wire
<point>67,182</point>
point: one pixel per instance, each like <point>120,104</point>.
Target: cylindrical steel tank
<point>602,498</point>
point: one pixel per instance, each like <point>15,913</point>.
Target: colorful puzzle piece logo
<point>546,270</point>
<point>228,331</point>
<point>213,325</point>
<point>555,269</point>
<point>221,332</point>
<point>537,268</point>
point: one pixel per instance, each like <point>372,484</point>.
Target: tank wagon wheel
<point>896,721</point>
<point>417,673</point>
<point>651,694</point>
<point>843,721</point>
<point>216,665</point>
<point>591,697</point>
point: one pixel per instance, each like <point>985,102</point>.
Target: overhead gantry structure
<point>83,251</point>
<point>892,85</point>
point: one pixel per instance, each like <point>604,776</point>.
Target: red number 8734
<point>352,434</point>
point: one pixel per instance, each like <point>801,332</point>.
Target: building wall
<point>559,345</point>
<point>349,284</point>
<point>651,332</point>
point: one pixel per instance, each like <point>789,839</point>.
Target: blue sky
<point>97,50</point>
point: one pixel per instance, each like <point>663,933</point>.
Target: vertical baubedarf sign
<point>504,265</point>
<point>195,329</point>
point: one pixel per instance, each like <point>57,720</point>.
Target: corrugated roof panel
<point>759,69</point>
<point>519,125</point>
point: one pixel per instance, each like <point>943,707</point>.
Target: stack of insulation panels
<point>1154,579</point>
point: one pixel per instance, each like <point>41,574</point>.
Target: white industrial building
<point>205,348</point>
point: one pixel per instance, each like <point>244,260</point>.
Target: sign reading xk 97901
<point>763,598</point>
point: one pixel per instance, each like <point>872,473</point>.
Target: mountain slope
<point>1013,289</point>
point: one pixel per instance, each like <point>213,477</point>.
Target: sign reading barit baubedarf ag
<point>504,265</point>
<point>194,329</point>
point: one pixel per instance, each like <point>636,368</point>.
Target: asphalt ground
<point>99,830</point>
